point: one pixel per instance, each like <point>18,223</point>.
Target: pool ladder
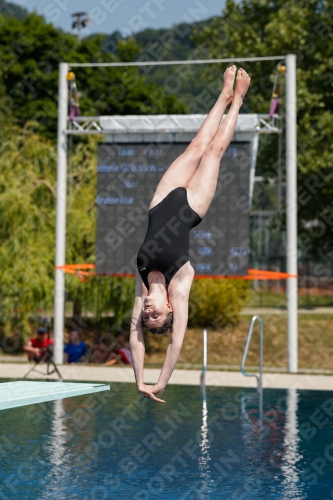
<point>261,350</point>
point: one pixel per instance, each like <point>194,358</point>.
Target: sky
<point>127,16</point>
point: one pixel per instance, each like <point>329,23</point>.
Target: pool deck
<point>88,373</point>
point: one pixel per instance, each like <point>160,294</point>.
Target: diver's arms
<point>180,315</point>
<point>178,296</point>
<point>137,343</point>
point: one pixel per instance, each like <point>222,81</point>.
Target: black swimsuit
<point>167,243</point>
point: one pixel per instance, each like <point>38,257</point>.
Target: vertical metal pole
<point>59,287</point>
<point>291,211</point>
<point>261,351</point>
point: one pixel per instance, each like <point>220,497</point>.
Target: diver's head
<point>166,327</point>
<point>157,312</point>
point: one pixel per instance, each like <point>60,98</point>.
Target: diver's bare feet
<point>242,84</point>
<point>228,82</point>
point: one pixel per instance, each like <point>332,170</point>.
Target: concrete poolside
<point>89,373</point>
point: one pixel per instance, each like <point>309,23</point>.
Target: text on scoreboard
<point>128,175</point>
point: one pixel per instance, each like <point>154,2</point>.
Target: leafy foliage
<point>114,296</point>
<point>217,303</point>
<point>27,194</point>
<point>175,43</point>
<point>27,211</point>
<point>30,53</point>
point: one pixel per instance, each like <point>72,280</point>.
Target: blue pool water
<point>119,445</point>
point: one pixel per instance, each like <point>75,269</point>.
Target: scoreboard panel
<point>126,181</point>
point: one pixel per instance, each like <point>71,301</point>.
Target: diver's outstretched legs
<point>202,186</point>
<point>183,168</point>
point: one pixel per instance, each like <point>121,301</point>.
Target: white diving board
<point>14,394</point>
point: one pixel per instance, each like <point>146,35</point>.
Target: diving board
<point>14,394</point>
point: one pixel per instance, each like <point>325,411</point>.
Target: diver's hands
<point>158,388</point>
<point>149,391</point>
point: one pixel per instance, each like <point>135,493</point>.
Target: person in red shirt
<point>36,348</point>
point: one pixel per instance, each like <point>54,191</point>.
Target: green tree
<point>186,82</point>
<point>256,28</point>
<point>27,232</point>
<point>27,194</point>
<point>30,53</point>
<point>217,303</point>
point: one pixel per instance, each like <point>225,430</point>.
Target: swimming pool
<point>119,445</point>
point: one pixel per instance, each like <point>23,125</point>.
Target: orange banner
<point>253,274</point>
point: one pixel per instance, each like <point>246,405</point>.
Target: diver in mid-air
<point>181,200</point>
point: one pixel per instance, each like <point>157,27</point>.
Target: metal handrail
<point>261,350</point>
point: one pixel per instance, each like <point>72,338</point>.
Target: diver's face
<point>154,311</point>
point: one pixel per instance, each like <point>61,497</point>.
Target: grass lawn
<point>225,348</point>
<point>265,298</point>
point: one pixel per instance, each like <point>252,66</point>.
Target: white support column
<point>59,287</point>
<point>291,212</point>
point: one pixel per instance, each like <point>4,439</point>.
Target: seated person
<point>75,350</point>
<point>101,352</point>
<point>38,347</point>
<point>121,352</point>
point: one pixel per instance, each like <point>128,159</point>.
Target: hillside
<point>13,10</point>
<point>175,43</point>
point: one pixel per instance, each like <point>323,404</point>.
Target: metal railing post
<point>261,350</point>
